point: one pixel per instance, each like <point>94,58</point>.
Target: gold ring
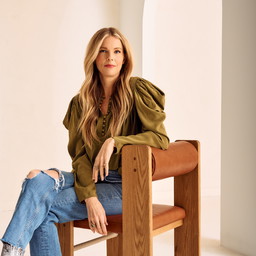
<point>92,225</point>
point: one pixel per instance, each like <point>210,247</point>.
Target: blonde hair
<point>91,90</point>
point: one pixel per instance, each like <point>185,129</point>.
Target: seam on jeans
<point>32,217</point>
<point>43,198</point>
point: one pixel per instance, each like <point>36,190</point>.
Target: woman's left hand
<point>102,159</point>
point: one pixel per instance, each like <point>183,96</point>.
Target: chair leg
<point>115,246</point>
<point>66,237</point>
<point>187,195</point>
<point>187,237</point>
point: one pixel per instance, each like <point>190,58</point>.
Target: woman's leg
<point>40,206</point>
<point>45,240</point>
<point>65,208</point>
<point>38,192</point>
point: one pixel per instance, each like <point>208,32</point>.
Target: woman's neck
<point>108,85</point>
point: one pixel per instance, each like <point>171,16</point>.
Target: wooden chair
<point>131,233</point>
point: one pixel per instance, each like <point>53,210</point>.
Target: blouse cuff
<point>85,192</point>
<point>119,143</point>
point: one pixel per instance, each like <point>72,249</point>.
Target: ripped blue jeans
<point>44,201</point>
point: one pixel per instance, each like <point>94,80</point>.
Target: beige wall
<point>238,209</point>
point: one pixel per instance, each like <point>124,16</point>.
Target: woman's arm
<point>149,103</point>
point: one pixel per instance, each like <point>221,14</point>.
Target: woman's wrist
<point>89,199</point>
<point>114,145</point>
<point>113,140</point>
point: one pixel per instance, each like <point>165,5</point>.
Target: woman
<point>111,110</point>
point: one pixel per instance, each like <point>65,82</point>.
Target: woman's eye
<point>103,51</point>
<point>117,51</point>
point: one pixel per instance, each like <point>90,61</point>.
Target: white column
<point>131,18</point>
<point>238,209</point>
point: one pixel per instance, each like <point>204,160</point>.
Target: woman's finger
<point>98,226</point>
<point>103,158</point>
<point>102,172</point>
<point>104,229</point>
<point>95,173</point>
<point>92,226</point>
<point>106,169</point>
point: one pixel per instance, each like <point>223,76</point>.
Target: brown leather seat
<point>162,216</point>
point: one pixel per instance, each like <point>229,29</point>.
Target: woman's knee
<point>33,173</point>
<point>54,174</point>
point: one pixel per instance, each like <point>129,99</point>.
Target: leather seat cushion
<point>162,215</point>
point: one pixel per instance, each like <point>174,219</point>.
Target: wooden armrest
<point>181,157</point>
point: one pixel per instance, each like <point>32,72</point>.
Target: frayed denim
<point>45,201</point>
<point>10,250</point>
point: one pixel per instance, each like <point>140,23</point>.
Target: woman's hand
<point>102,159</point>
<point>96,215</point>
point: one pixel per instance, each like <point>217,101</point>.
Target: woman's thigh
<point>110,196</point>
<point>67,207</point>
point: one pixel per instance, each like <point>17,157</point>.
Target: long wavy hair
<point>91,90</point>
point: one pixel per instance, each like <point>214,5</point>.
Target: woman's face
<point>110,58</point>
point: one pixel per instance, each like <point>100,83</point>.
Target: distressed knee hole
<point>54,174</point>
<point>33,173</point>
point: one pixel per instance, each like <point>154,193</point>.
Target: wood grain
<point>168,227</point>
<point>137,202</point>
<point>115,246</point>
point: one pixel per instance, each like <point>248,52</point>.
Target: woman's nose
<point>110,57</point>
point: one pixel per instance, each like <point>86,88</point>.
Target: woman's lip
<point>109,66</point>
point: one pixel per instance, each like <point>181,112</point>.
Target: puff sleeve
<point>149,103</point>
<point>81,164</point>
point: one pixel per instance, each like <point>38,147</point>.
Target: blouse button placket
<point>103,131</point>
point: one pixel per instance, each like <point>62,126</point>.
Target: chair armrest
<point>180,158</point>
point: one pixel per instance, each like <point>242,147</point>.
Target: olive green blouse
<point>144,125</point>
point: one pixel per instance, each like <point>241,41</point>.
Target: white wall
<point>238,208</point>
<point>182,55</point>
<point>42,47</point>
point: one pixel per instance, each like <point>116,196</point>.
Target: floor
<point>163,244</point>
